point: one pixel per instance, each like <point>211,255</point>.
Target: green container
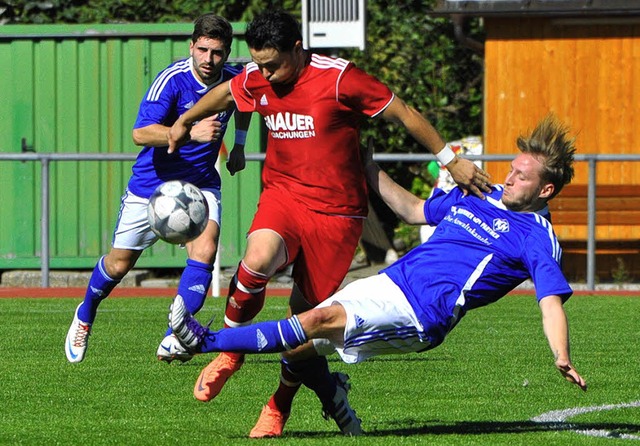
<point>76,89</point>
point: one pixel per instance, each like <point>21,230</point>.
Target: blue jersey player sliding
<point>413,304</point>
<point>174,90</point>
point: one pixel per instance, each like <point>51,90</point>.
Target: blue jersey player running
<point>413,304</point>
<point>174,90</point>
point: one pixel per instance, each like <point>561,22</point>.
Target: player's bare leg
<point>289,335</point>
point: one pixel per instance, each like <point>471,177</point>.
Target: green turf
<point>482,386</point>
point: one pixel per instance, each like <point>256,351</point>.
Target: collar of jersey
<point>499,204</point>
<point>205,87</point>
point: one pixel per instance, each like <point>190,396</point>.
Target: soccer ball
<point>177,212</point>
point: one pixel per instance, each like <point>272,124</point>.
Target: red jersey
<point>313,145</point>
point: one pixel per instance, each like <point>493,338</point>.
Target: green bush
<point>419,58</point>
<point>132,11</point>
<point>417,55</point>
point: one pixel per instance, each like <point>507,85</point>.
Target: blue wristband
<point>241,137</point>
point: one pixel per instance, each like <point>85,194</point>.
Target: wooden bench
<point>617,205</point>
<point>617,223</point>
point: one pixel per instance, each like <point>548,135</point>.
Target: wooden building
<point>581,61</point>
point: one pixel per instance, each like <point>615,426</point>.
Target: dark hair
<point>550,144</point>
<point>273,29</point>
<point>214,27</point>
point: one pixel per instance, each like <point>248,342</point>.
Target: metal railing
<point>46,158</point>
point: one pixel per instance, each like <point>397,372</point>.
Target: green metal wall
<point>76,88</point>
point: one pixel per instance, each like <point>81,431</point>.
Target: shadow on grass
<point>612,430</point>
<point>506,427</point>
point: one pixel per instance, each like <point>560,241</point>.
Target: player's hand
<point>207,130</point>
<point>469,177</point>
<point>570,374</point>
<point>236,161</point>
<point>177,135</point>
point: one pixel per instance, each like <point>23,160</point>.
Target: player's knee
<point>203,251</point>
<point>261,262</point>
<point>266,252</point>
<point>118,267</point>
<point>322,322</point>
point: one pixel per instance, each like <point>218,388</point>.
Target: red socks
<point>245,300</point>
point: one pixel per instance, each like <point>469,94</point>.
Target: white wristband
<point>446,155</point>
<point>241,137</point>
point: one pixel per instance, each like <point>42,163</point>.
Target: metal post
<point>591,225</point>
<point>215,276</point>
<point>44,222</point>
<point>45,159</point>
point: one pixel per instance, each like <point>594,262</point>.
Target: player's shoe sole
<point>185,327</point>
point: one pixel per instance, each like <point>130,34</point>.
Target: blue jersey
<point>478,253</point>
<point>175,90</point>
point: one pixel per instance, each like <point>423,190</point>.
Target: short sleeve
<point>544,269</point>
<point>245,102</point>
<point>439,204</point>
<point>363,92</point>
<point>155,108</point>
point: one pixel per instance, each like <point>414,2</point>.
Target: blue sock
<point>100,285</point>
<point>263,337</point>
<point>194,285</point>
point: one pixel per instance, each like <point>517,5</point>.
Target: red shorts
<point>320,246</point>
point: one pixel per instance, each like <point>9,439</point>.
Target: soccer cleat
<point>215,375</point>
<point>75,345</point>
<point>270,424</point>
<point>185,327</point>
<point>170,348</point>
<point>341,412</point>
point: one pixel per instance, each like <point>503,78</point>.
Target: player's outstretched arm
<point>464,172</point>
<point>406,205</point>
<point>215,101</point>
<point>556,329</point>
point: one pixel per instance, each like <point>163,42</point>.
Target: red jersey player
<point>313,203</point>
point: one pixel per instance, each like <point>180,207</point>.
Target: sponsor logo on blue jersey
<point>500,225</point>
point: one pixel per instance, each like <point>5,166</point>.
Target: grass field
<point>482,386</point>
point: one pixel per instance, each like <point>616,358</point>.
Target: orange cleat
<point>215,375</point>
<point>270,424</point>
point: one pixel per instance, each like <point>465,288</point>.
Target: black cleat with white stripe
<point>341,412</point>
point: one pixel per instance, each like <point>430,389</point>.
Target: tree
<point>414,53</point>
<point>132,11</point>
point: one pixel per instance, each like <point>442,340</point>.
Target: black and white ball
<point>177,212</point>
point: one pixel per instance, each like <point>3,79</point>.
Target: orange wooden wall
<point>587,73</point>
